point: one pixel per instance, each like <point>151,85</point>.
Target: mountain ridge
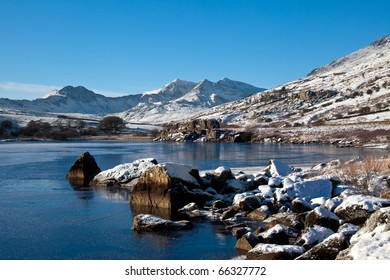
<point>135,107</point>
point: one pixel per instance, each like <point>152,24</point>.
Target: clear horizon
<point>127,47</point>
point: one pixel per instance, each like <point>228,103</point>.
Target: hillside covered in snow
<point>350,93</point>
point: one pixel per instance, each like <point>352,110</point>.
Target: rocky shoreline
<point>340,135</point>
<point>277,212</point>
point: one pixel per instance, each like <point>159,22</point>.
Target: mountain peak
<point>382,41</point>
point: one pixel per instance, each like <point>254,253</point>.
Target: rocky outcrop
<point>147,222</point>
<point>202,130</point>
<point>83,170</point>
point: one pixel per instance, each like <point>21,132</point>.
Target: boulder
<point>300,205</point>
<point>247,242</point>
<point>148,222</point>
<point>258,214</point>
<point>83,170</point>
<point>239,231</point>
<point>275,252</point>
<point>220,176</point>
<point>123,175</point>
<point>322,217</point>
<point>249,203</point>
<point>192,210</point>
<point>165,186</point>
<point>356,209</point>
<point>219,204</point>
<point>278,168</point>
<point>309,189</point>
<point>372,241</point>
<point>314,235</point>
<point>327,249</point>
<point>229,213</point>
<point>279,234</point>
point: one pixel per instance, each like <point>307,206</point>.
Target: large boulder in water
<point>123,175</point>
<point>83,170</point>
<point>168,186</point>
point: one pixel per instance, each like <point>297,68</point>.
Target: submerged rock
<point>147,222</point>
<point>83,170</point>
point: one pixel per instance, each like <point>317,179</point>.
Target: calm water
<point>43,217</point>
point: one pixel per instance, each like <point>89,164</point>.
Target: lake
<point>43,217</point>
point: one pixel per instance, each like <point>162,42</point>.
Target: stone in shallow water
<point>148,222</point>
<point>83,170</point>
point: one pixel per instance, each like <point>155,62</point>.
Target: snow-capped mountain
<point>185,99</point>
<point>353,89</point>
<point>175,101</point>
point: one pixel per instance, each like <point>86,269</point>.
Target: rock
<point>235,186</point>
<point>230,213</point>
<point>287,219</point>
<point>247,242</point>
<point>309,189</point>
<point>258,214</point>
<point>322,217</point>
<point>356,209</point>
<point>147,222</point>
<point>192,210</point>
<point>220,176</point>
<point>123,175</point>
<point>158,188</point>
<point>275,182</point>
<point>300,205</point>
<point>372,241</point>
<point>238,232</point>
<point>83,170</point>
<point>279,234</point>
<point>265,191</point>
<point>314,235</point>
<point>331,204</point>
<point>328,249</point>
<point>249,203</point>
<point>278,168</point>
<point>219,204</point>
<point>275,252</point>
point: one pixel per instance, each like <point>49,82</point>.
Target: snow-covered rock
<point>311,188</point>
<point>322,217</point>
<point>372,241</point>
<point>327,249</point>
<point>278,168</point>
<point>183,172</point>
<point>356,209</point>
<point>125,172</point>
<point>275,252</point>
<point>314,235</point>
<point>147,222</point>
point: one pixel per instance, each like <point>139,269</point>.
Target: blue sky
<point>122,47</point>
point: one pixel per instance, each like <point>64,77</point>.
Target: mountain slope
<point>354,89</point>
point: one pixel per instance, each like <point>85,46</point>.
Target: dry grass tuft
<point>363,173</point>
